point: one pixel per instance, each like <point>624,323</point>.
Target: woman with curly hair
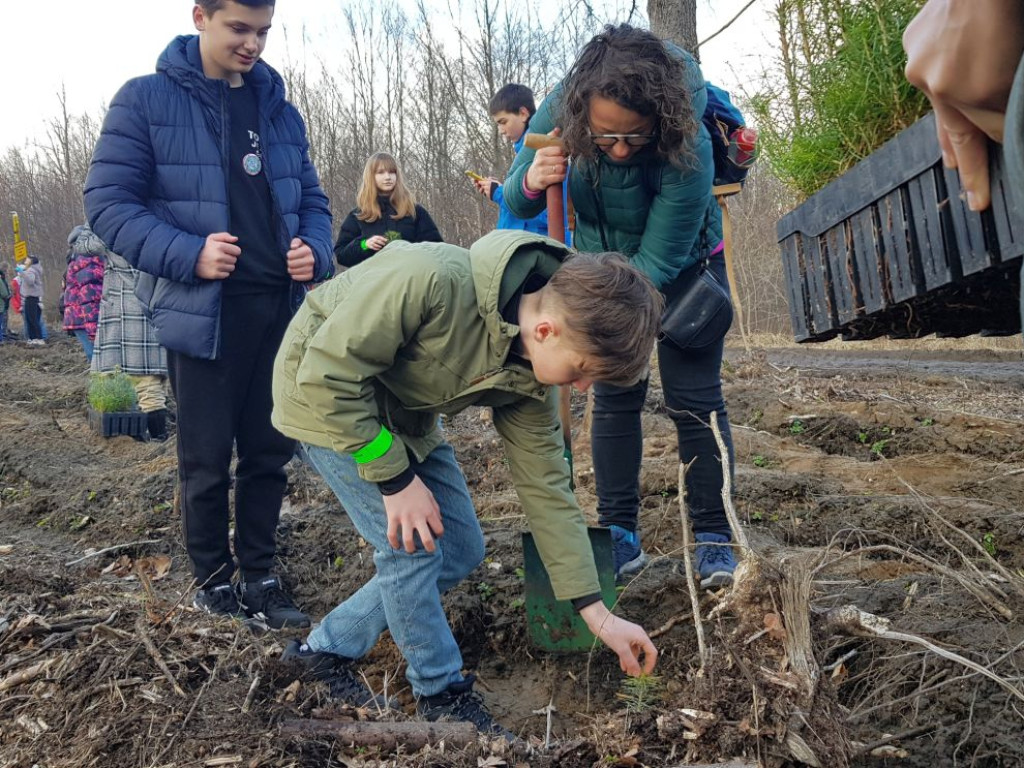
<point>385,210</point>
<point>639,166</point>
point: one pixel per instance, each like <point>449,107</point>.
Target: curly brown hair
<point>633,68</point>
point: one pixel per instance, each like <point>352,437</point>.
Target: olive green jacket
<point>374,355</point>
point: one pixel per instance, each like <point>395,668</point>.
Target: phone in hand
<point>474,176</point>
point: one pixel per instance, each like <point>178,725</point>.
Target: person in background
<point>83,286</point>
<point>385,211</point>
<point>31,277</point>
<point>966,55</point>
<point>201,179</point>
<point>5,302</point>
<point>630,112</point>
<point>511,109</point>
<point>125,339</point>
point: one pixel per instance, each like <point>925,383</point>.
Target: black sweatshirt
<point>349,249</point>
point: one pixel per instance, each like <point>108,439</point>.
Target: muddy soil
<point>904,483</point>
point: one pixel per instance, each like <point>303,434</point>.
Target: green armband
<point>376,448</point>
<point>362,244</point>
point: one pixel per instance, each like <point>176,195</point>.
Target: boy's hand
<point>627,639</point>
<point>486,186</point>
<point>413,510</point>
<point>548,167</point>
<point>217,259</point>
<point>376,242</point>
<point>300,261</point>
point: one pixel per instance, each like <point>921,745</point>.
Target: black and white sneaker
<point>461,703</point>
<point>220,600</point>
<point>338,672</point>
<point>266,601</point>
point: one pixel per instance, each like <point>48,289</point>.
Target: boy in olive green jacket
<point>367,364</point>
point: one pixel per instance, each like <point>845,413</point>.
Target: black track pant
<point>692,383</point>
<point>225,404</point>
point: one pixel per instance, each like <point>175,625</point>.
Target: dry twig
<point>739,535</point>
<point>147,641</point>
<point>851,620</point>
<point>691,582</point>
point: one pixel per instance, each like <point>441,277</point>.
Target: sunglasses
<point>609,140</point>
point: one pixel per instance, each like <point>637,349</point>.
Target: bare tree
<point>417,86</point>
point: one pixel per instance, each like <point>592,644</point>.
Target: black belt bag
<point>699,313</point>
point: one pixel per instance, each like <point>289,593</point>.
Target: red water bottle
<point>743,147</point>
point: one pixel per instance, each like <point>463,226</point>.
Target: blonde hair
<point>401,198</point>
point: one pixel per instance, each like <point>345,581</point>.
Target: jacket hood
<point>182,62</point>
<point>75,233</point>
<point>86,243</point>
<point>502,261</point>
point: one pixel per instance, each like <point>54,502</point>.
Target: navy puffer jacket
<point>158,186</point>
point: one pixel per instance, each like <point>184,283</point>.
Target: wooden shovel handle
<point>541,140</point>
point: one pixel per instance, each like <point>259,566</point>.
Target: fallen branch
<point>851,620</point>
<point>147,641</point>
<point>114,548</point>
<point>667,625</point>
<point>26,675</point>
<point>738,534</point>
<point>251,695</point>
<point>388,737</point>
<point>910,733</point>
<point>691,582</point>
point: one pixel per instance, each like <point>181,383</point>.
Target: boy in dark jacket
<point>202,180</point>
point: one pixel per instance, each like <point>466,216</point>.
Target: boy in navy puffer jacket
<point>202,180</point>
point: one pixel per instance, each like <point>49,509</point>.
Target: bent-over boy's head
<point>232,35</point>
<point>511,109</point>
<point>611,315</point>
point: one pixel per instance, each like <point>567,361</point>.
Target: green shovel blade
<point>554,625</point>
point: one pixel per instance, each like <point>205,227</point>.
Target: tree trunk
<point>675,20</point>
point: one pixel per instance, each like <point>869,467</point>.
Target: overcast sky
<point>96,45</point>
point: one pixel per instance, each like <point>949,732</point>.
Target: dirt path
<point>984,365</point>
<point>917,462</point>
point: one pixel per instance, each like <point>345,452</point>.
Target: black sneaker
<point>343,682</point>
<point>461,703</point>
<point>266,601</point>
<point>221,600</point>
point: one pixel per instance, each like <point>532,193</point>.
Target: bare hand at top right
<point>963,54</point>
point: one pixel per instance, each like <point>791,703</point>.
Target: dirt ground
<point>894,482</point>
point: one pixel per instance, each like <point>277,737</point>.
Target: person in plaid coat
<point>126,341</point>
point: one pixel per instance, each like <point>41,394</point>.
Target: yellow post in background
<point>20,246</point>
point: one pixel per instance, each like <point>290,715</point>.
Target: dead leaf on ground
<point>773,624</point>
<point>155,567</point>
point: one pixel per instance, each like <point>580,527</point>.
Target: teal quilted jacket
<point>645,208</point>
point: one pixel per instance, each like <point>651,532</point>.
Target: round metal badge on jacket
<point>252,164</point>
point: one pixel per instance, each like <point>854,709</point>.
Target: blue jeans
<point>404,595</point>
<point>3,326</point>
<point>83,338</point>
<point>692,384</point>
